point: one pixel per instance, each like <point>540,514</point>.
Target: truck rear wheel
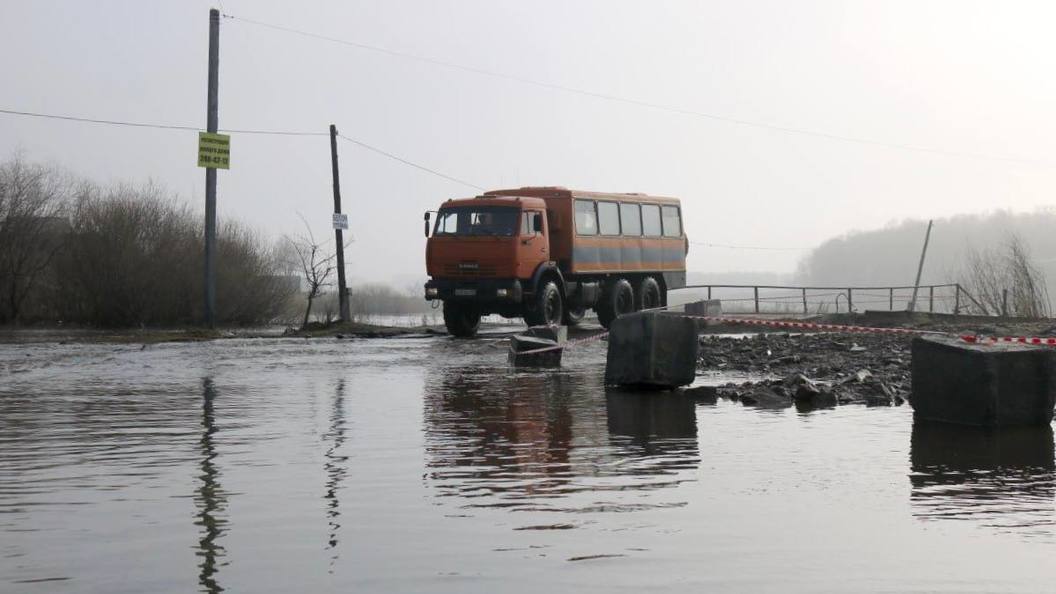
<point>574,315</point>
<point>648,296</point>
<point>617,299</point>
<point>462,319</point>
<point>546,307</point>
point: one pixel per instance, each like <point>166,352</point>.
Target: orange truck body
<point>583,243</point>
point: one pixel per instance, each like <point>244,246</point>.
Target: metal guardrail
<point>962,300</point>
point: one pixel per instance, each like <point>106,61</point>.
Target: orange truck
<point>548,254</point>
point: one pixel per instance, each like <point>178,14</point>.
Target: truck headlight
<point>431,292</point>
<point>502,292</point>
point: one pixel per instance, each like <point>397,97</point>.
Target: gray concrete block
<point>521,343</point>
<point>653,348</point>
<point>706,307</point>
<point>558,334</point>
<point>989,385</point>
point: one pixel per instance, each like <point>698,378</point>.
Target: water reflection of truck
<point>549,254</point>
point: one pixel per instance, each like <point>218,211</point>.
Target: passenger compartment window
<point>672,222</point>
<point>631,219</point>
<point>586,218</point>
<point>609,218</point>
<point>651,220</point>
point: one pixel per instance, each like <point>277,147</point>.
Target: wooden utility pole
<point>346,314</point>
<point>212,123</point>
<point>920,269</point>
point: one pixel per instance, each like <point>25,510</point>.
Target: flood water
<point>427,465</point>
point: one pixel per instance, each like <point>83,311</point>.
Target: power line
<point>412,164</point>
<point>748,247</point>
<point>639,102</point>
<point>182,127</point>
<point>53,116</point>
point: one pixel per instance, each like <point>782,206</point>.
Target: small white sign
<point>340,221</point>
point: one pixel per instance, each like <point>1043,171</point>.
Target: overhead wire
<point>409,163</point>
<point>747,247</point>
<point>639,102</point>
<point>186,128</point>
<point>86,120</point>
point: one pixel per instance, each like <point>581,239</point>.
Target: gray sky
<point>954,76</point>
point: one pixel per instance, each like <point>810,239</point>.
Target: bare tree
<point>32,229</point>
<point>1006,281</point>
<point>315,264</point>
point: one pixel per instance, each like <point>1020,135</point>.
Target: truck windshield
<point>477,220</point>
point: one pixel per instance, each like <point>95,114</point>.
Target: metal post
<point>338,234</point>
<point>920,269</point>
<point>850,301</point>
<point>756,299</point>
<point>931,299</point>
<point>212,123</point>
<point>957,299</point>
<point>1004,303</point>
<point>891,299</point>
<point>709,292</point>
<point>805,310</point>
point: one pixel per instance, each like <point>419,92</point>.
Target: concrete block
<point>652,348</point>
<point>521,343</point>
<point>706,307</point>
<point>987,385</point>
<point>558,334</point>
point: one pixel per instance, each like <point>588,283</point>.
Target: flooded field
<point>427,465</point>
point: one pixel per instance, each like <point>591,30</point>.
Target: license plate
<point>465,292</point>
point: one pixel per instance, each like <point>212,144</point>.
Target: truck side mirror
<point>537,223</point>
<point>427,223</point>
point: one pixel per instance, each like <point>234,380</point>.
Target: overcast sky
<point>956,77</point>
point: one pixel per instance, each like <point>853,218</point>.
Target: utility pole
<point>920,269</point>
<point>342,296</point>
<point>212,123</point>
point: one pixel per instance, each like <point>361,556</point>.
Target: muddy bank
<point>811,370</point>
<point>75,335</point>
<point>828,369</point>
<point>358,330</point>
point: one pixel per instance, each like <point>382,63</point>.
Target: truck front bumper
<point>500,290</point>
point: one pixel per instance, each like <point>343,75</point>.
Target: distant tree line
<point>123,255</point>
<point>1006,260</point>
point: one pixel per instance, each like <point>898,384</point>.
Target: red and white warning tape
<point>1044,341</point>
<point>813,326</point>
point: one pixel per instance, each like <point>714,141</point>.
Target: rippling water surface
<point>427,465</point>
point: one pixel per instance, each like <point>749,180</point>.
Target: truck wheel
<point>648,295</point>
<point>616,300</point>
<point>546,307</point>
<point>574,315</point>
<point>462,319</point>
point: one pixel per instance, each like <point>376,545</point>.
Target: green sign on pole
<point>214,150</point>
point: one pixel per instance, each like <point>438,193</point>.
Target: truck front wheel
<point>546,307</point>
<point>617,299</point>
<point>462,319</point>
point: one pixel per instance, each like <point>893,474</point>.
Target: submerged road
<point>428,465</point>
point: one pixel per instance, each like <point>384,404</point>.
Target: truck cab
<point>482,256</point>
